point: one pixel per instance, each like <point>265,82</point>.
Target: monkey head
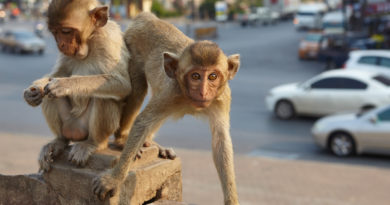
<point>202,71</point>
<point>72,22</point>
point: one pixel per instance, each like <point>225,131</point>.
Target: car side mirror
<point>373,119</point>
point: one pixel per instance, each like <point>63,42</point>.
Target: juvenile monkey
<point>82,98</point>
<point>186,77</point>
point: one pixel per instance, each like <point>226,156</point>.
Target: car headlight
<point>317,127</point>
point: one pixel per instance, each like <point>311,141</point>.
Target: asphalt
<point>260,180</point>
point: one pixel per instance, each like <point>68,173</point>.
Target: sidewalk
<point>260,180</point>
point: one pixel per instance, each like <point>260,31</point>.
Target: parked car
<point>330,92</point>
<point>265,16</point>
<point>335,48</point>
<point>348,134</point>
<point>309,16</point>
<point>20,41</point>
<point>310,45</point>
<point>333,23</point>
<point>371,60</point>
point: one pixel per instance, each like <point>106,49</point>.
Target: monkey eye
<point>213,76</point>
<point>66,30</point>
<point>195,76</point>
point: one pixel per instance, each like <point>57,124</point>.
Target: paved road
<point>269,58</point>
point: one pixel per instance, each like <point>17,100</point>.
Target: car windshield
<point>24,35</point>
<point>382,79</point>
<point>313,37</point>
<point>305,14</point>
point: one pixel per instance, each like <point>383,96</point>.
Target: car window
<point>385,62</point>
<point>384,115</point>
<point>313,37</point>
<point>370,60</point>
<point>327,83</point>
<point>382,79</point>
<point>305,14</point>
<point>339,83</point>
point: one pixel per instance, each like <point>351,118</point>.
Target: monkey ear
<point>171,62</point>
<point>234,65</point>
<point>99,16</point>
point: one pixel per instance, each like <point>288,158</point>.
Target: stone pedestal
<point>150,180</point>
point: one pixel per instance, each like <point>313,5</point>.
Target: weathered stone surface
<point>150,179</point>
<point>26,190</point>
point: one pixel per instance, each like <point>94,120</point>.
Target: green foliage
<point>160,11</point>
<point>207,9</point>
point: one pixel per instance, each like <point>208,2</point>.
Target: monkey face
<point>202,85</point>
<point>68,40</point>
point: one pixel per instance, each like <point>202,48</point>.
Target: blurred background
<point>301,61</point>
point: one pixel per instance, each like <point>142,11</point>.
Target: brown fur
<point>82,99</point>
<point>165,56</point>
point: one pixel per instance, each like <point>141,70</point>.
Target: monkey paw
<point>104,185</point>
<point>48,153</point>
<point>80,153</point>
<point>33,95</point>
<point>56,88</point>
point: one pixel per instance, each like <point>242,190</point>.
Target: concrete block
<point>149,180</point>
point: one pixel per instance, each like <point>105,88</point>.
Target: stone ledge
<point>150,179</point>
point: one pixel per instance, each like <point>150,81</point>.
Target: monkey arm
<point>146,123</point>
<point>223,155</point>
<point>105,86</point>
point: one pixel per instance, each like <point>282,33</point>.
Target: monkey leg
<point>133,102</point>
<point>103,121</point>
<point>56,146</point>
<point>73,128</point>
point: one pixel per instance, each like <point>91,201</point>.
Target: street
<point>268,58</point>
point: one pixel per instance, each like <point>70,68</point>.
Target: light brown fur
<point>83,98</point>
<point>157,48</point>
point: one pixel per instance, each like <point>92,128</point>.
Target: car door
<point>349,96</point>
<point>384,64</point>
<point>369,63</point>
<point>316,98</point>
<point>374,133</point>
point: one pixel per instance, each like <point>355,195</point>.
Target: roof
<point>383,53</point>
<point>359,74</point>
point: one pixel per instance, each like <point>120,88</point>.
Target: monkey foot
<point>166,153</point>
<point>80,153</point>
<point>105,185</point>
<point>49,152</point>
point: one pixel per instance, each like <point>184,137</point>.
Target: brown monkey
<point>82,98</point>
<point>186,77</point>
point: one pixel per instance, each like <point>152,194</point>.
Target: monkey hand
<point>57,87</point>
<point>105,184</point>
<point>33,95</point>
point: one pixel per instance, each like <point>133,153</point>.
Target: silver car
<point>348,134</point>
<point>20,41</point>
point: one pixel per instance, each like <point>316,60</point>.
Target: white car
<point>309,16</point>
<point>371,60</point>
<point>330,92</point>
<point>347,134</point>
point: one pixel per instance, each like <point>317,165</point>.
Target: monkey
<point>186,77</point>
<point>83,98</point>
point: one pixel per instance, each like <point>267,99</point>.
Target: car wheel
<point>284,110</point>
<point>341,144</point>
<point>40,52</point>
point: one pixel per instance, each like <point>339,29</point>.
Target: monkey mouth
<point>200,103</point>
